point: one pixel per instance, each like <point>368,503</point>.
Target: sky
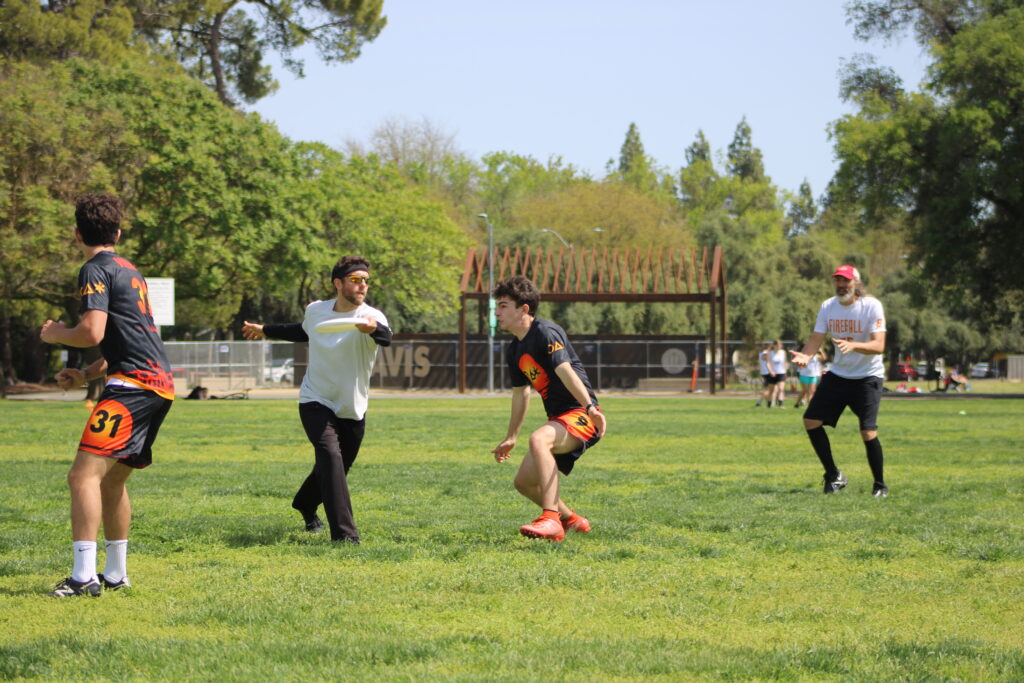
<point>565,78</point>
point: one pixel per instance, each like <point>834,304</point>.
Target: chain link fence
<point>432,362</point>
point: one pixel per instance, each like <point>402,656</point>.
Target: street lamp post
<point>490,303</point>
<point>560,238</point>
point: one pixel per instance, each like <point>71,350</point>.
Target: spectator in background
<point>810,375</point>
<point>778,368</point>
<point>764,361</point>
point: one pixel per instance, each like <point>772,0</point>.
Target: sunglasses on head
<point>356,279</point>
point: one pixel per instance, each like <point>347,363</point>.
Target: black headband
<point>351,268</point>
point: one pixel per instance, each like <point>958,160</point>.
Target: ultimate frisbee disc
<point>339,324</point>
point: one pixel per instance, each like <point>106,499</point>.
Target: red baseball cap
<point>849,272</point>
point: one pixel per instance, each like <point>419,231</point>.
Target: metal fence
<point>230,365</point>
<point>432,362</point>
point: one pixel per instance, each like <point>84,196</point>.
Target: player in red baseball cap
<point>856,323</point>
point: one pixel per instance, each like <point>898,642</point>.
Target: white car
<point>979,370</point>
<point>281,370</point>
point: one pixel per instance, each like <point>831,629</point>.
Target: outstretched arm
<point>801,358</point>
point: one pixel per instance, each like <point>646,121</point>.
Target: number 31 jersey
<point>131,343</point>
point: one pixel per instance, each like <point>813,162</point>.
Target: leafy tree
<point>55,29</point>
<point>947,161</point>
<point>49,152</point>
<point>626,216</point>
<point>508,178</point>
<point>222,42</point>
<point>361,205</point>
<point>426,154</point>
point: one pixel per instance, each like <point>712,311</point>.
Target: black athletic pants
<point>336,444</point>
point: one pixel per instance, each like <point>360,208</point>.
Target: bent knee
<point>869,435</point>
<point>542,440</point>
<point>812,424</point>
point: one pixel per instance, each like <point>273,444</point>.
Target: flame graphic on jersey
<point>535,373</point>
<point>156,379</point>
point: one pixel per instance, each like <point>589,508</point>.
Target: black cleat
<point>69,588</point>
<point>112,586</point>
<point>835,484</point>
<point>880,490</point>
<point>314,525</point>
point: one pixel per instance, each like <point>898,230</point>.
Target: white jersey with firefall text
<point>340,363</point>
<point>855,323</point>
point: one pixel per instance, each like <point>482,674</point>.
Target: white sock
<point>117,561</point>
<point>85,561</point>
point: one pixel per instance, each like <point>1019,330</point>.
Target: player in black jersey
<point>119,435</point>
<point>542,359</point>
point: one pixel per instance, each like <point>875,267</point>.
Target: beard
<point>354,299</point>
<point>848,296</point>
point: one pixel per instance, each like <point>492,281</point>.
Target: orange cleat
<point>580,525</point>
<point>544,527</point>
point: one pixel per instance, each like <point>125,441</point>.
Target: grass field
<point>714,554</point>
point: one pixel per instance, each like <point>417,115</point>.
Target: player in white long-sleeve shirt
<point>334,392</point>
<point>856,323</point>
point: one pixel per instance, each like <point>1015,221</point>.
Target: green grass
<point>714,554</point>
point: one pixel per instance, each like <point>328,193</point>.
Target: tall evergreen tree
<point>802,211</point>
<point>635,167</point>
<point>744,159</point>
<point>700,150</point>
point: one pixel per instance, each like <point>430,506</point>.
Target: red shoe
<point>580,525</point>
<point>544,527</point>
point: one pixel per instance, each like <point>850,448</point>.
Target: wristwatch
<point>590,405</point>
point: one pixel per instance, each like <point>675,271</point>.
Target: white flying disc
<point>339,324</point>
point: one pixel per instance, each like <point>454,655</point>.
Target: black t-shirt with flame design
<point>131,342</point>
<point>532,360</point>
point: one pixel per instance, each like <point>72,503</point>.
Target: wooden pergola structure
<point>623,275</point>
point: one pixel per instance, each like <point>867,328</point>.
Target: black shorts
<point>579,425</point>
<point>835,393</point>
<point>773,379</point>
<point>124,425</point>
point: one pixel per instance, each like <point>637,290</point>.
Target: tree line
<point>141,100</point>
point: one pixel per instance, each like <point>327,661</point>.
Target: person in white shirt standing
<point>856,323</point>
<point>778,368</point>
<point>810,375</point>
<point>764,361</point>
<point>334,393</point>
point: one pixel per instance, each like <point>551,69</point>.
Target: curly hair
<point>520,290</point>
<point>98,217</point>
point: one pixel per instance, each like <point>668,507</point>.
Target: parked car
<point>980,370</point>
<point>280,370</point>
<point>905,371</point>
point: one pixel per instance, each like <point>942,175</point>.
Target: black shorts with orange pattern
<point>124,425</point>
<point>579,425</point>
